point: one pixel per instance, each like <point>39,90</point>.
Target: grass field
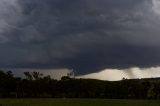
<point>77,102</point>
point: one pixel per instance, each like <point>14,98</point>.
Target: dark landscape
<point>35,85</point>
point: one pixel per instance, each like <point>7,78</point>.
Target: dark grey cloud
<point>86,35</point>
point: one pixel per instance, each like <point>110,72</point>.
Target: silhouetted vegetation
<point>36,85</point>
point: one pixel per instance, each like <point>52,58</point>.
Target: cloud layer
<point>84,35</point>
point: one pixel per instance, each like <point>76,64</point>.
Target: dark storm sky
<point>84,35</point>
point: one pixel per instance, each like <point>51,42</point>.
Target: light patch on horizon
<point>119,74</point>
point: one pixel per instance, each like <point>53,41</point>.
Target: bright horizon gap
<point>106,74</point>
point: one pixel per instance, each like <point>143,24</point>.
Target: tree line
<point>36,85</point>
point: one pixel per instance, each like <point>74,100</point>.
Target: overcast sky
<point>85,35</point>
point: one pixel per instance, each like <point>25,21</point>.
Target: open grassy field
<point>77,102</point>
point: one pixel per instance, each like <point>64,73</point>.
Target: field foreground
<point>77,102</point>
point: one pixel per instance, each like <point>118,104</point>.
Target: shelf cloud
<point>84,35</point>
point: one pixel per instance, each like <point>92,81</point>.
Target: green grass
<point>77,102</point>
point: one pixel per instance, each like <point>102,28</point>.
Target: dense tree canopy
<point>35,85</point>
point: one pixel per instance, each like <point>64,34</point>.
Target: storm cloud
<point>84,35</point>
